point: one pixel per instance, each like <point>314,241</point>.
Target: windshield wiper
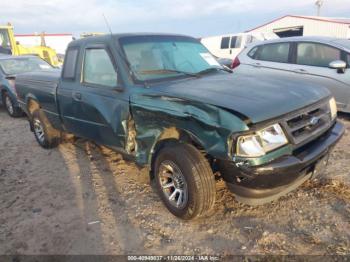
<point>162,71</point>
<point>208,70</point>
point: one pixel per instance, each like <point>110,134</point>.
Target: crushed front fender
<point>209,125</point>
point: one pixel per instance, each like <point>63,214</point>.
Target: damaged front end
<point>215,131</point>
<point>159,118</point>
<point>312,133</point>
<point>259,184</point>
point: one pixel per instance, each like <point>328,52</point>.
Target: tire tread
<point>52,136</point>
<point>203,178</point>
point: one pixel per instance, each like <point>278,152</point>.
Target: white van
<point>229,46</point>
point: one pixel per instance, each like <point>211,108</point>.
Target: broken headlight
<point>261,142</point>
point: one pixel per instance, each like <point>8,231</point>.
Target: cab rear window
<point>70,63</point>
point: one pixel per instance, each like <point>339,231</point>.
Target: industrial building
<point>293,25</point>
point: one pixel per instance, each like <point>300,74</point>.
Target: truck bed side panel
<point>41,87</point>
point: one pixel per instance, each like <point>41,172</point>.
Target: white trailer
<point>230,45</point>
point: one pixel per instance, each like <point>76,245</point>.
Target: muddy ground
<point>84,199</point>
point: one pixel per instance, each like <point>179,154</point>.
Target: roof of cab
<point>107,37</point>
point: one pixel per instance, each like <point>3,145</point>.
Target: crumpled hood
<point>259,95</point>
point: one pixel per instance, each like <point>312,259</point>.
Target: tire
<point>44,133</point>
<point>11,109</point>
<point>192,180</point>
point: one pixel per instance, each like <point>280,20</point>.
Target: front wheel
<point>184,181</point>
<point>11,109</point>
<point>44,133</point>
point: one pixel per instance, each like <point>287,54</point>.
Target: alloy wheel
<point>173,184</point>
<point>39,131</point>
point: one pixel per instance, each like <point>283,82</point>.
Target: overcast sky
<point>193,17</point>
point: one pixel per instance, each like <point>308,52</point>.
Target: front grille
<point>308,123</point>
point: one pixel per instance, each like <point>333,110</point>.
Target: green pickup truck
<point>164,101</point>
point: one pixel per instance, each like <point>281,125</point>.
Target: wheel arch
<point>171,136</point>
<point>32,104</point>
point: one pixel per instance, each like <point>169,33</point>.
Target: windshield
<point>22,65</point>
<point>159,57</point>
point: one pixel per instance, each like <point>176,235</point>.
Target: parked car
<point>328,58</point>
<point>229,46</point>
<point>9,67</point>
<point>164,101</point>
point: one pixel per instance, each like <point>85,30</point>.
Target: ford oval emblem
<point>314,120</point>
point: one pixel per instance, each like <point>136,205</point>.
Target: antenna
<point>319,4</point>
<point>107,24</point>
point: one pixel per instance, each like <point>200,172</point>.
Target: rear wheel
<point>185,181</point>
<point>45,134</point>
<point>11,109</point>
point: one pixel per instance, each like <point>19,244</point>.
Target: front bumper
<point>265,183</point>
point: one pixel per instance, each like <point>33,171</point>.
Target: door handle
<point>230,51</point>
<point>257,64</point>
<point>300,70</point>
<point>77,96</point>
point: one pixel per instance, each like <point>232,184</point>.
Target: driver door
<point>99,111</point>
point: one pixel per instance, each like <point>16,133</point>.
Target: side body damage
<point>162,118</point>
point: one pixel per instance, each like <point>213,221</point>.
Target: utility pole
<point>319,4</point>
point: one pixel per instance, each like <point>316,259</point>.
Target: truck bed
<point>40,86</point>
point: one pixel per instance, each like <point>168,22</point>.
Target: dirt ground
<point>83,199</point>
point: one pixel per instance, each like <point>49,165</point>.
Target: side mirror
<point>339,65</point>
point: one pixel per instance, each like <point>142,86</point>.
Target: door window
<point>225,42</point>
<point>98,68</point>
<point>278,52</point>
<point>314,54</point>
<point>348,59</point>
<point>252,52</point>
<point>236,41</point>
<point>249,39</point>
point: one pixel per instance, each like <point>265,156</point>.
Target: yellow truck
<point>9,45</point>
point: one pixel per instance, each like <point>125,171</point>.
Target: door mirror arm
<point>341,71</point>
